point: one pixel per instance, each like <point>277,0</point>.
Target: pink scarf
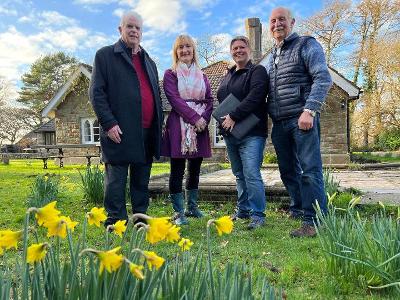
<point>190,86</point>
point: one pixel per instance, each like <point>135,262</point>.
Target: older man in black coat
<point>125,95</point>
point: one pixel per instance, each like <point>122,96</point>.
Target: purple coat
<point>171,140</point>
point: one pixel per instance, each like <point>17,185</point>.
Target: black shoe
<point>256,223</point>
<point>305,230</point>
<point>294,216</point>
<point>240,215</point>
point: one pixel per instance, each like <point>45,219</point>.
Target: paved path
<point>376,185</point>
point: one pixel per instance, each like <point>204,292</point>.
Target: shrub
<point>365,252</point>
<point>270,158</point>
<point>389,140</point>
<point>331,185</point>
<point>93,185</point>
<point>43,190</point>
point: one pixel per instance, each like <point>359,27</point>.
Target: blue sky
<point>29,29</point>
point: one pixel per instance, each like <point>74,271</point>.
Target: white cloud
<point>7,11</point>
<point>206,15</point>
<point>26,19</point>
<point>161,15</point>
<point>53,18</point>
<point>118,12</point>
<point>16,50</point>
<point>93,2</point>
<point>198,3</point>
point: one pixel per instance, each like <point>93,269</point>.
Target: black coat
<point>250,86</point>
<point>115,95</point>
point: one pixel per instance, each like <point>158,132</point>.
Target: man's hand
<point>114,134</point>
<point>306,121</point>
<point>228,123</point>
<point>200,125</point>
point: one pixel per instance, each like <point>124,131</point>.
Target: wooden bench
<point>32,155</point>
<point>45,150</point>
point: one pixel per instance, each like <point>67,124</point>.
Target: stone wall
<point>68,122</point>
<point>333,129</point>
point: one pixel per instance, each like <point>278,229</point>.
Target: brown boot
<point>305,230</point>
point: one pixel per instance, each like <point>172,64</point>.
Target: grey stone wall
<point>333,129</point>
<point>68,122</point>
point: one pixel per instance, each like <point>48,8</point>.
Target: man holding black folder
<point>248,84</point>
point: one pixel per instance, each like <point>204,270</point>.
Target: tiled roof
<point>50,126</point>
<point>217,68</point>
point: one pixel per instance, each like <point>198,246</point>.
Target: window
<point>49,138</point>
<point>90,131</point>
<point>218,140</point>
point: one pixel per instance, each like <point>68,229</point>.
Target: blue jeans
<point>246,156</point>
<point>300,166</point>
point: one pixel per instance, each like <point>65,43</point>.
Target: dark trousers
<point>300,165</point>
<point>178,171</point>
<point>115,180</point>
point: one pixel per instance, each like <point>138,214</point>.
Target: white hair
<point>289,11</point>
<point>131,13</point>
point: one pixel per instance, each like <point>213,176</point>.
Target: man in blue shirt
<point>299,81</point>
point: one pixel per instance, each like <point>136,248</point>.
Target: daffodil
<point>157,230</point>
<point>110,260</point>
<point>96,216</point>
<point>47,213</point>
<point>58,226</point>
<point>9,239</point>
<point>36,252</point>
<point>136,270</point>
<point>1,251</point>
<point>119,227</point>
<point>173,234</point>
<point>153,259</point>
<point>185,244</point>
<point>224,225</point>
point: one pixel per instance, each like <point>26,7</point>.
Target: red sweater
<point>145,91</point>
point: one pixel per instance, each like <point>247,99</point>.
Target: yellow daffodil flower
<point>173,234</point>
<point>47,213</point>
<point>36,252</point>
<point>136,271</point>
<point>58,226</point>
<point>1,251</point>
<point>110,260</point>
<point>157,230</point>
<point>224,225</point>
<point>185,244</point>
<point>119,227</point>
<point>96,216</point>
<point>153,259</point>
<point>9,239</point>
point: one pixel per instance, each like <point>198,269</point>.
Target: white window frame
<point>92,134</point>
<point>219,143</point>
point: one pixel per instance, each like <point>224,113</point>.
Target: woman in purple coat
<point>186,135</point>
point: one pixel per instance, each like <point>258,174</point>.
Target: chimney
<point>254,31</point>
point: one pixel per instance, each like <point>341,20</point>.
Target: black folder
<point>227,106</point>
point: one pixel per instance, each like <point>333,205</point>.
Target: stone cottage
<point>75,121</point>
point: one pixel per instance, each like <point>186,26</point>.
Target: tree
<point>329,27</point>
<point>211,49</point>
<point>14,121</point>
<point>45,77</point>
<point>375,23</point>
<point>5,90</point>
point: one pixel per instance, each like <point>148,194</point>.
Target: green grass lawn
<point>296,265</point>
<point>366,157</point>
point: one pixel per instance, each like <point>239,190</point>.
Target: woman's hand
<point>200,124</point>
<point>228,123</point>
